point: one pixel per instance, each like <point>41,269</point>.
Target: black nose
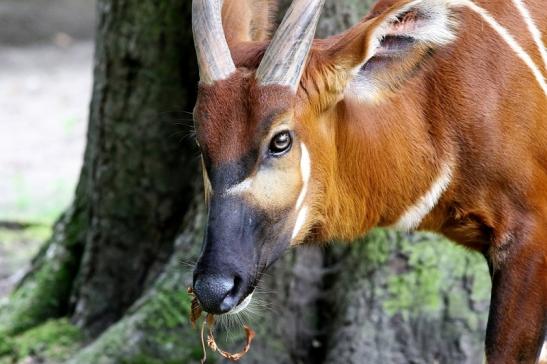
<point>218,294</point>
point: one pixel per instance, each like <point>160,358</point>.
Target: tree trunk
<point>120,259</point>
<point>140,162</point>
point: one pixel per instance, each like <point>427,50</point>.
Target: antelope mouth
<point>241,306</point>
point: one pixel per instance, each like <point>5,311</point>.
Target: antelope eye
<point>281,143</point>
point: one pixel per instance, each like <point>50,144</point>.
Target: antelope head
<point>266,119</point>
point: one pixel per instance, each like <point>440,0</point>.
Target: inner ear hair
<point>429,21</point>
<point>385,73</point>
<point>248,20</point>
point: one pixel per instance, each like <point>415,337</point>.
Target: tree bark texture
<point>140,161</point>
<point>120,259</point>
<point>406,298</point>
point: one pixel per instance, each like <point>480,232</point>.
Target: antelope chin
<point>242,306</point>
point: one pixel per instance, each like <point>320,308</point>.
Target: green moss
<point>6,347</point>
<point>43,294</point>
<point>18,247</point>
<point>435,269</point>
<point>51,342</point>
<point>414,292</point>
<point>155,330</point>
<point>376,248</point>
<point>37,298</point>
<point>143,359</point>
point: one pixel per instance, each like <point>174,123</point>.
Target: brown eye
<point>281,144</point>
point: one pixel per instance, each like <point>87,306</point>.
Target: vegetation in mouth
<point>209,322</point>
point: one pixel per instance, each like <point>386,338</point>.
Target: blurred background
<point>46,49</point>
<point>101,214</point>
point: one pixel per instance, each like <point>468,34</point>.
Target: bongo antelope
<point>428,114</point>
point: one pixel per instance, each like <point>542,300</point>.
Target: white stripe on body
<point>508,38</point>
<point>532,28</point>
<point>414,215</point>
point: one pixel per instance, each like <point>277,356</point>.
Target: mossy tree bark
<point>140,163</point>
<point>135,185</point>
<point>118,263</point>
<point>409,298</point>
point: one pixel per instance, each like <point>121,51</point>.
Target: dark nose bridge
<point>225,270</point>
<point>229,239</point>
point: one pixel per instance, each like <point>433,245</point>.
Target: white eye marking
<point>305,170</point>
<point>413,217</point>
<point>509,39</point>
<point>300,221</point>
<point>240,188</point>
<point>532,28</point>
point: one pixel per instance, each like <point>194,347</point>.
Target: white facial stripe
<point>300,221</point>
<point>543,356</point>
<point>508,38</point>
<point>305,170</point>
<point>413,217</point>
<point>240,188</point>
<point>532,28</point>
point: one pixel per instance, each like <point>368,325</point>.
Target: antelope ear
<point>248,21</point>
<point>380,54</point>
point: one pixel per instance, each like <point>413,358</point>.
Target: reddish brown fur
<point>473,104</point>
<point>230,130</point>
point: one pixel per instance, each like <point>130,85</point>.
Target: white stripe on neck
<point>300,221</point>
<point>414,215</point>
<point>305,171</point>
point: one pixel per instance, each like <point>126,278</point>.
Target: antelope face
<point>256,169</point>
<point>256,165</point>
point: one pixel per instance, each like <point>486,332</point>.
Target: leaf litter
<point>209,323</point>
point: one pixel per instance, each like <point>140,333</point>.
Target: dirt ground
<point>44,95</point>
<point>31,21</point>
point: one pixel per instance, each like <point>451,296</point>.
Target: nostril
<point>232,298</point>
<point>212,291</point>
<point>219,294</point>
<point>237,284</point>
